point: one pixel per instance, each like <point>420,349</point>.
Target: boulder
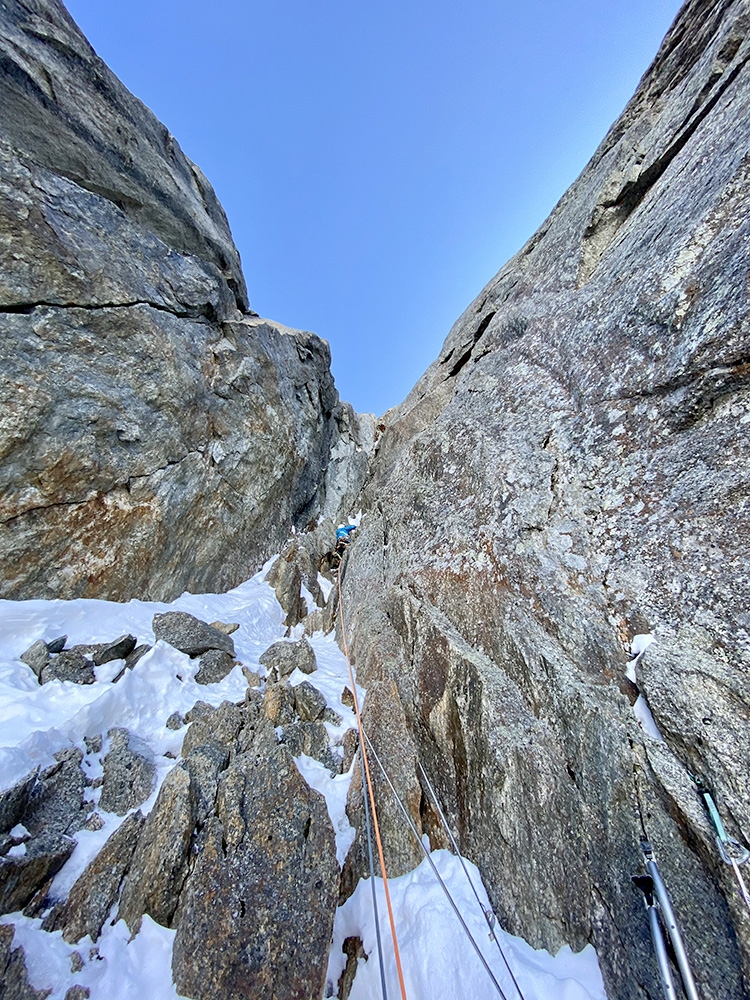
<point>36,656</point>
<point>118,649</point>
<point>283,658</point>
<point>214,666</point>
<point>129,772</point>
<point>70,665</point>
<point>77,993</point>
<point>189,634</point>
<point>265,880</point>
<point>228,627</point>
<point>132,658</point>
<point>309,703</point>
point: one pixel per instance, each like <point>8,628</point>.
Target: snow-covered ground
<point>37,721</point>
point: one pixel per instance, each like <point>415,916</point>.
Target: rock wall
<point>154,435</point>
<point>570,472</point>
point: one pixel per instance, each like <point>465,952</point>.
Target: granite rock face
<point>138,395</point>
<point>266,879</point>
<point>589,412</point>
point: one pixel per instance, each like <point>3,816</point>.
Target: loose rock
<point>283,658</point>
<point>118,649</point>
<point>70,665</point>
<point>214,666</point>
<point>229,628</point>
<point>189,634</point>
<point>36,656</point>
<point>308,702</point>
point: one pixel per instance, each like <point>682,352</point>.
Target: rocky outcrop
<point>138,395</point>
<point>72,115</point>
<point>97,888</point>
<point>50,806</point>
<point>588,412</point>
<point>266,880</point>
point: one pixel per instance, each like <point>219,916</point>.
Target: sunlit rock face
<point>570,472</point>
<point>154,435</point>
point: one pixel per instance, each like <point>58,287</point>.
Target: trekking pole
<point>665,906</point>
<point>732,852</point>
<point>646,884</point>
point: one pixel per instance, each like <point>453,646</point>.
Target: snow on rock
<point>116,968</point>
<point>36,721</point>
<point>437,959</point>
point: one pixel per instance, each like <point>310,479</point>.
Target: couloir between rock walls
<point>570,472</point>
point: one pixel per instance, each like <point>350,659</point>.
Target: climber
<point>343,537</point>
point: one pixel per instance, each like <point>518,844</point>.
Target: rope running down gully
<point>366,769</point>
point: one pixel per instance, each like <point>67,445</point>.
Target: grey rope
<point>489,916</point>
<point>372,884</point>
<point>437,874</point>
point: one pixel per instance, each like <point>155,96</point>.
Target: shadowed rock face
<point>136,397</point>
<point>571,471</point>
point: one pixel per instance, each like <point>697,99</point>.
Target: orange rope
<point>371,795</point>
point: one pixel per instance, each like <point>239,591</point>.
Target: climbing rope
<point>368,825</point>
<point>489,916</point>
<point>366,770</point>
<point>437,874</point>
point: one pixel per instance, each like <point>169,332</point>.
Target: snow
<point>437,959</point>
<point>335,789</point>
<point>638,646</point>
<point>645,717</point>
<point>38,720</point>
<point>116,969</point>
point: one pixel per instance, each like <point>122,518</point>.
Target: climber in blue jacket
<point>343,537</point>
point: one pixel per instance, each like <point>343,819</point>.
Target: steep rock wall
<point>570,472</point>
<point>154,436</point>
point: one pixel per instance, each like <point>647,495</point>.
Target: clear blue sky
<point>380,161</point>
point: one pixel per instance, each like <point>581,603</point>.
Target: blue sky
<point>380,162</point>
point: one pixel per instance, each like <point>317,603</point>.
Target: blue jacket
<point>343,533</point>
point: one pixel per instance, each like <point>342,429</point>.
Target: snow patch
<point>438,960</point>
